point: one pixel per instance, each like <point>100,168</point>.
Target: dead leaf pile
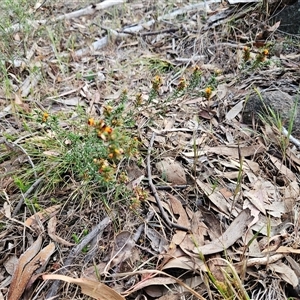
<point>233,187</point>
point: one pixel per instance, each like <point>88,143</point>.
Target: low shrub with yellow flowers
<point>92,151</point>
<point>260,59</point>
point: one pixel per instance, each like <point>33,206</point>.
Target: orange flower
<point>115,152</point>
<point>91,122</point>
<point>196,68</point>
<point>103,166</point>
<point>197,71</point>
<point>262,56</point>
<point>104,131</point>
<point>116,122</point>
<point>107,129</point>
<point>265,52</point>
<point>45,117</point>
<point>208,92</point>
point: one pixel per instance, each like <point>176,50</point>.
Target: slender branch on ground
<point>170,30</point>
<point>172,187</point>
<point>154,191</point>
<point>29,191</point>
<point>13,145</point>
<point>98,230</point>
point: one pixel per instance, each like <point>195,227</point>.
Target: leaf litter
<point>229,183</point>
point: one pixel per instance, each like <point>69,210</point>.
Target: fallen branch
<point>170,30</point>
<point>91,9</point>
<point>154,191</point>
<point>88,10</point>
<point>98,230</point>
<point>134,29</point>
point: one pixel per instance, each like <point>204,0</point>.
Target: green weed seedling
<point>77,240</point>
<point>33,204</point>
<point>21,184</point>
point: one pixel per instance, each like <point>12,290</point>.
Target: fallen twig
<point>30,190</point>
<point>170,30</point>
<point>13,145</point>
<point>172,187</point>
<point>154,191</point>
<point>24,196</point>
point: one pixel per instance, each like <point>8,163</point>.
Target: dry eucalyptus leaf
<point>29,263</point>
<point>42,216</point>
<point>157,241</point>
<point>10,264</point>
<point>170,296</point>
<point>257,197</point>
<point>291,195</point>
<point>185,263</point>
<point>214,196</point>
<point>122,248</point>
<point>171,171</point>
<point>234,111</point>
<point>53,236</point>
<point>282,168</point>
<point>285,272</point>
<point>235,231</point>
<point>94,289</point>
<point>294,265</point>
<point>254,211</point>
<point>19,281</point>
<point>276,209</point>
<point>38,265</point>
<point>156,281</point>
<point>183,219</point>
<point>228,151</point>
<point>178,209</point>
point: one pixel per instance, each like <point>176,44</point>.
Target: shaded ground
<point>106,151</point>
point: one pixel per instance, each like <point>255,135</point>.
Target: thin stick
<point>170,30</point>
<point>28,192</point>
<point>13,145</point>
<point>154,191</point>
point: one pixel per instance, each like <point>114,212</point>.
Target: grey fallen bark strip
<point>91,9</point>
<point>98,230</point>
<point>88,10</point>
<point>104,41</point>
